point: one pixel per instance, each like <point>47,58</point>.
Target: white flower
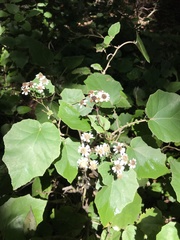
<point>118,167</point>
<point>25,90</point>
<point>86,137</point>
<point>124,159</point>
<point>99,96</point>
<point>102,150</point>
<point>93,165</point>
<point>106,149</point>
<point>44,81</point>
<point>84,150</point>
<point>40,76</point>
<point>119,148</point>
<point>83,162</point>
<point>99,150</point>
<point>132,163</point>
<point>83,103</point>
<point>103,96</point>
<point>40,88</point>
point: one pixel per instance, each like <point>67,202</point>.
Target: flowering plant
<point>107,162</point>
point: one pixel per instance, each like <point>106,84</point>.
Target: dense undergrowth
<point>89,114</point>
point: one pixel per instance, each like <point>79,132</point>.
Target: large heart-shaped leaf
<point>67,164</point>
<point>129,213</point>
<point>111,200</point>
<point>150,161</point>
<point>20,214</point>
<point>30,148</point>
<point>163,109</point>
<point>169,231</point>
<point>98,81</point>
<point>175,168</point>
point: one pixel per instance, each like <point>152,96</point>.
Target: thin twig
<point>119,130</point>
<point>113,55</point>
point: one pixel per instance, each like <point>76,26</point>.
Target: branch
<point>113,55</point>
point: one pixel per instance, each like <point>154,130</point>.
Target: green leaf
<point>40,54</point>
<point>72,62</point>
<point>30,224</point>
<point>107,40</point>
<point>151,165</point>
<point>3,14</point>
<point>104,169</point>
<point>15,213</point>
<point>141,48</point>
<point>163,109</point>
<point>72,95</point>
<point>12,8</point>
<point>7,41</point>
<point>99,123</point>
<point>97,67</point>
<point>129,233</point>
<point>98,81</point>
<point>19,58</point>
<point>82,71</point>
<point>48,15</point>
<point>67,165</point>
<point>42,186</point>
<point>71,117</point>
<point>169,231</point>
<point>30,148</point>
<point>151,222</point>
<point>23,109</point>
<point>111,200</point>
<point>114,29</point>
<point>129,213</point>
<point>175,169</point>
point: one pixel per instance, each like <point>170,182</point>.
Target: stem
<point>119,130</point>
<point>113,55</point>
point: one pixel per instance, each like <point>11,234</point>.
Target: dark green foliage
<point>60,38</point>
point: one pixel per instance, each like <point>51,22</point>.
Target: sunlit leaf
<point>129,233</point>
<point>129,213</point>
<point>111,200</point>
<point>19,212</point>
<point>169,231</point>
<point>163,109</point>
<point>30,148</point>
<point>141,48</point>
<point>99,123</point>
<point>150,161</point>
<point>72,118</point>
<point>67,165</point>
<point>107,177</point>
<point>175,169</point>
<point>97,67</point>
<point>114,29</point>
<point>72,95</point>
<point>98,81</point>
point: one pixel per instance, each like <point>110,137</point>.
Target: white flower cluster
<point>85,162</point>
<point>122,161</point>
<point>39,87</point>
<point>95,96</point>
